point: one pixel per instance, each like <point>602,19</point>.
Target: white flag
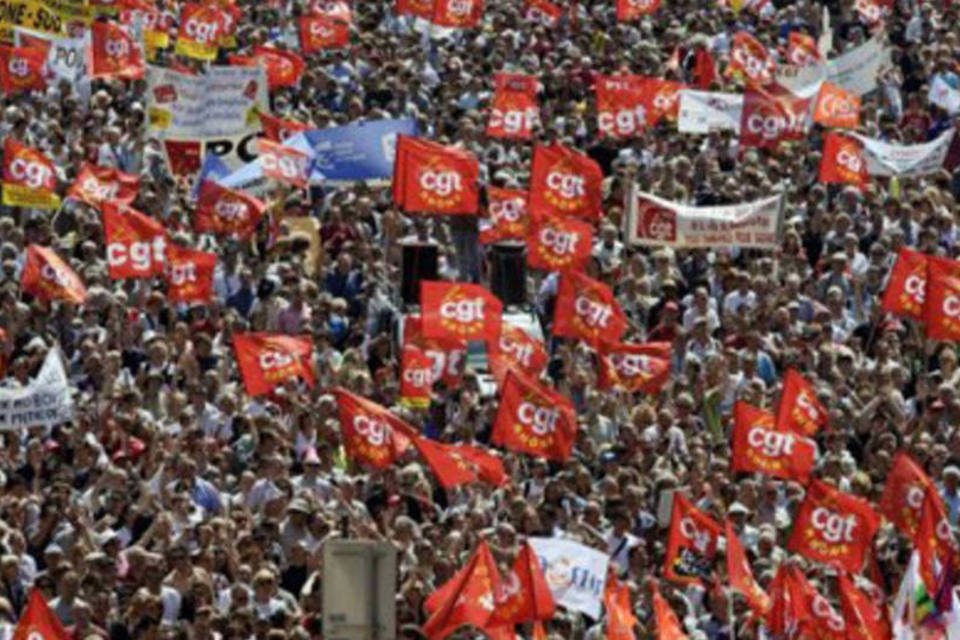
<point>575,574</point>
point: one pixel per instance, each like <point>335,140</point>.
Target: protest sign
<point>885,159</point>
<point>44,402</point>
<point>576,574</point>
<point>705,111</point>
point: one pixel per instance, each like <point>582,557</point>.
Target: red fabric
<point>941,310</point>
<point>279,129</point>
<point>457,14</point>
<point>555,243</point>
<point>268,360</point>
<point>284,164</point>
<point>46,276</point>
<point>418,8</point>
<point>448,355</point>
<point>663,100</point>
<point>459,311</point>
<point>587,310</point>
<point>634,367</point>
<point>416,376</point>
<point>749,57</point>
<point>933,540</point>
<point>779,454</point>
<point>516,348</point>
<point>534,419</point>
<point>467,599</point>
<point>114,53</point>
<point>38,621</point>
<point>800,411</point>
<point>135,243</point>
<point>767,119</point>
<point>183,156</point>
<point>802,49</point>
<point>284,68</point>
<point>524,595</point>
<point>833,527</point>
<point>622,105</point>
<point>371,435</point>
<point>450,470</point>
<point>94,185</point>
<point>621,620</point>
<point>862,616</point>
<point>631,10</point>
<point>487,465</point>
<point>903,494</point>
<point>432,178</point>
<point>842,161</point>
<point>564,182</point>
<point>189,274</point>
<point>835,107</point>
<point>514,110</point>
<point>201,28</point>
<point>22,69</point>
<point>223,211</point>
<point>320,33</point>
<point>28,176</point>
<point>691,543</point>
<point>507,216</point>
<point>668,626</point>
<point>740,574</point>
<point>543,11</point>
<point>907,286</point>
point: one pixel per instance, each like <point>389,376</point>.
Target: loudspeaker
<point>419,262</point>
<point>508,273</point>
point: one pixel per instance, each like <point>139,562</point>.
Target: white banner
<point>857,70</point>
<point>705,111</point>
<point>66,58</point>
<point>653,221</point>
<point>944,96</point>
<point>803,82</point>
<point>221,103</point>
<point>885,159</point>
<point>44,402</point>
<point>575,574</point>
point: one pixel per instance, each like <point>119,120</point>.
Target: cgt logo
<point>916,287</point>
<point>622,123</point>
<point>752,65</point>
<point>201,31</point>
<point>417,377</point>
<point>833,527</point>
<point>514,120</point>
<point>508,211</point>
<point>373,431</point>
<point>117,48</point>
<point>58,276</point>
<point>773,444</point>
<point>568,185</point>
<point>271,360</point>
<point>183,274</point>
<point>288,167</point>
<point>951,306</point>
<point>522,353</point>
<point>850,160</point>
<point>595,314</point>
<point>442,183</point>
<point>767,123</point>
<point>699,538</point>
<point>231,210</point>
<point>141,255</point>
<point>806,405</point>
<point>465,310</point>
<point>96,190</point>
<point>460,8</point>
<point>541,420</point>
<point>657,223</point>
<point>30,173</point>
<point>837,107</point>
<point>561,243</point>
<point>631,365</point>
<point>823,611</point>
<point>640,5</point>
<point>18,67</point>
<point>320,30</point>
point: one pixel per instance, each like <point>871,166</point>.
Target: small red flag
<point>284,164</point>
<point>321,33</point>
<point>631,10</point>
<point>38,621</point>
<point>621,620</point>
<point>460,311</point>
<point>524,595</point>
<point>22,69</point>
<point>740,574</point>
<point>534,419</point>
<point>564,182</point>
<point>457,14</point>
<point>668,626</point>
<point>268,360</point>
<point>416,377</point>
<point>903,494</point>
<point>46,276</point>
<point>907,286</point>
<point>861,614</point>
<point>842,161</point>
<point>691,543</point>
<point>94,185</point>
<point>371,435</point>
<point>450,470</point>
<point>448,355</point>
<point>223,211</point>
<point>279,129</point>
<point>136,244</point>
<point>622,105</point>
<point>514,112</point>
<point>763,449</point>
<point>836,107</point>
<point>749,57</point>
<point>114,53</point>
<point>507,216</point>
<point>941,309</point>
<point>189,274</point>
<point>29,177</point>
<point>555,243</point>
<point>466,599</point>
<point>802,49</point>
<point>587,310</point>
<point>433,178</point>
<point>800,411</point>
<point>634,367</point>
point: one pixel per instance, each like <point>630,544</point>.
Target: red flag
<point>114,53</point>
<point>371,435</point>
<point>22,69</point>
<point>663,100</point>
<point>564,182</point>
<point>862,616</point>
<point>691,543</point>
<point>459,310</point>
<point>622,105</point>
<point>749,415</point>
<point>431,178</point>
<point>488,466</point>
<point>634,367</point>
<point>189,274</point>
<point>94,185</point>
<point>268,360</point>
<point>776,453</point>
<point>136,244</point>
<point>29,177</point>
<point>668,627</point>
<point>284,164</point>
<point>38,621</point>
<point>156,24</point>
<point>321,33</point>
<point>631,10</point>
<point>507,216</point>
<point>934,539</point>
<point>842,161</point>
<point>704,69</point>
<point>543,12</point>
<point>873,12</point>
<point>740,574</point>
<point>457,14</point>
<point>183,156</point>
<point>514,111</point>
<point>284,68</point>
<point>450,470</point>
<point>448,355</point>
<point>833,527</point>
<point>799,410</point>
<point>337,9</point>
<point>836,107</point>
<point>587,310</point>
<point>802,49</point>
<point>223,211</point>
<point>555,243</point>
<point>523,595</point>
<point>621,620</point>
<point>941,309</point>
<point>534,419</point>
<point>903,493</point>
<point>907,286</point>
<point>279,129</point>
<point>47,277</point>
<point>749,57</point>
<point>467,599</point>
<point>788,610</point>
<point>517,349</point>
<point>201,28</point>
<point>768,120</point>
<point>416,377</point>
<point>418,8</point>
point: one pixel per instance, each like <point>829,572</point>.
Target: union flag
<point>534,419</point>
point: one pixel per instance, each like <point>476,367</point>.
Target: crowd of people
<point>174,505</point>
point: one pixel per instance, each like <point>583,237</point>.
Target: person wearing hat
<point>950,491</point>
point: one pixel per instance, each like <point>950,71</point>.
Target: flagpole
<point>730,615</point>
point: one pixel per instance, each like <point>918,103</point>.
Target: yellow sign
<point>46,16</point>
<point>18,195</point>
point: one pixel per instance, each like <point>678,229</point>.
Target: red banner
<point>460,311</point>
<point>284,68</point>
<point>514,112</point>
<point>418,8</point>
<point>450,470</point>
<point>903,494</point>
<point>46,276</point>
<point>29,177</point>
<point>371,435</point>
<point>416,377</point>
<point>800,411</point>
<point>114,53</point>
<point>279,129</point>
<point>507,216</point>
<point>749,57</point>
<point>321,33</point>
<point>267,361</point>
<point>622,105</point>
<point>136,244</point>
<point>740,574</point>
<point>555,243</point>
<point>691,543</point>
<point>666,621</point>
<point>933,540</point>
<point>907,286</point>
<point>284,164</point>
<point>534,419</point>
<point>587,310</point>
<point>201,28</point>
<point>862,616</point>
<point>835,107</point>
<point>631,10</point>
<point>802,49</point>
<point>432,178</point>
<point>842,161</point>
<point>564,182</point>
<point>663,100</point>
<point>758,448</point>
<point>457,14</point>
<point>637,368</point>
<point>768,120</point>
<point>336,9</point>
<point>22,69</point>
<point>223,211</point>
<point>833,527</point>
<point>95,185</point>
<point>448,355</point>
<point>487,465</point>
<point>189,274</point>
<point>941,309</point>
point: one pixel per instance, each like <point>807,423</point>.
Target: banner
<point>201,29</point>
<point>22,69</point>
<point>47,276</point>
<point>29,177</point>
<point>44,402</point>
<point>514,111</point>
<point>507,217</point>
<point>622,105</point>
<point>835,107</point>
<point>45,16</point>
<point>941,309</point>
<point>756,448</point>
<point>885,159</point>
<point>457,14</point>
<point>906,487</point>
<point>555,243</point>
<point>767,120</point>
<point>802,49</point>
<point>449,356</point>
<point>66,57</point>
<point>320,32</point>
<point>114,53</point>
<point>224,211</point>
<point>750,57</point>
<point>354,152</point>
<point>691,543</point>
<point>284,164</point>
<point>94,185</point>
<point>643,368</point>
<point>907,285</point>
<point>576,574</point>
<point>416,377</point>
<point>842,161</point>
<point>706,111</point>
<point>652,221</point>
<point>856,70</point>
